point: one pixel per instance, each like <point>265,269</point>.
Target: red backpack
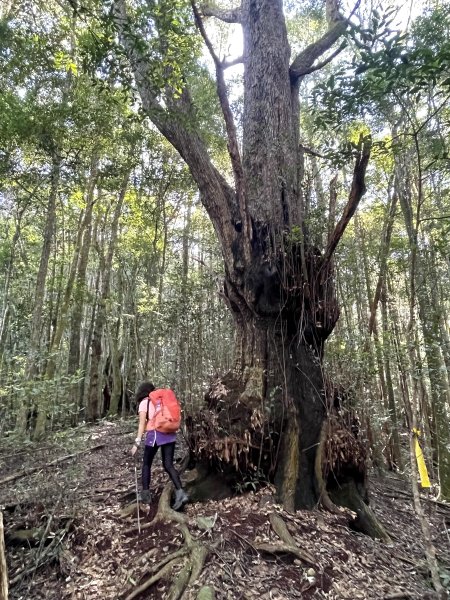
<point>168,418</point>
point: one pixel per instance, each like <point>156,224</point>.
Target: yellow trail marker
<point>424,480</point>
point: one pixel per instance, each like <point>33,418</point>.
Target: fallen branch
<point>395,493</point>
<point>57,461</point>
<point>45,556</point>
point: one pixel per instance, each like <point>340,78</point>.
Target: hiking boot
<point>145,497</point>
<point>180,499</point>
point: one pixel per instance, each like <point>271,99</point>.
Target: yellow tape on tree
<point>424,480</point>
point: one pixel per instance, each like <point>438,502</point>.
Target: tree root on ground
<point>366,521</point>
<point>191,557</point>
<point>288,547</point>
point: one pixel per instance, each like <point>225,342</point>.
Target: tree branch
<point>227,64</point>
<point>356,193</point>
<point>325,62</point>
<point>311,151</point>
<point>177,125</point>
<point>233,146</point>
<point>229,16</point>
<point>303,64</point>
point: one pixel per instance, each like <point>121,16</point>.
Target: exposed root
<point>366,521</point>
<point>193,554</point>
<point>289,545</point>
<point>159,575</point>
<point>285,549</point>
<point>206,593</point>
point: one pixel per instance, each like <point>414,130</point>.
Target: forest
<point>247,202</point>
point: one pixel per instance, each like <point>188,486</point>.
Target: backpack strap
<point>148,408</point>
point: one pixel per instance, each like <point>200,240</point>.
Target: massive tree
<point>278,287</point>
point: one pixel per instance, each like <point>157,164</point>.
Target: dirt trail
<point>82,547</point>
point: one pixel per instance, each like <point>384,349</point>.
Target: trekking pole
<point>137,496</point>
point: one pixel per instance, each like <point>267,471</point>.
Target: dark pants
<point>167,452</point>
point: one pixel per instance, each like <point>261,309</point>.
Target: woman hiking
<point>151,411</point>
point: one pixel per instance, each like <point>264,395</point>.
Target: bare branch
<point>305,60</point>
<point>322,64</point>
<point>311,151</point>
<point>227,64</point>
<point>356,193</point>
<point>229,16</point>
<point>233,146</point>
<point>303,64</point>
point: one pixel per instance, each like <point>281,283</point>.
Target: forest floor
<point>68,535</point>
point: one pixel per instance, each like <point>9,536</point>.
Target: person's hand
<point>133,449</point>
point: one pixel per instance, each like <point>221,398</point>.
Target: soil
<point>67,537</point>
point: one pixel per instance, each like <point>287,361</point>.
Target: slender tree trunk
<point>65,305</point>
<point>93,402</point>
<point>3,565</point>
<point>5,309</point>
<point>32,367</point>
<point>392,406</point>
<point>184,329</point>
<point>115,345</point>
<point>79,290</point>
<point>87,342</point>
<point>34,353</point>
<point>438,380</point>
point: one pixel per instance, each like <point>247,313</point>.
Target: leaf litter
<point>87,547</point>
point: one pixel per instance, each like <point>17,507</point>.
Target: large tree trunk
<point>278,287</point>
<point>275,404</point>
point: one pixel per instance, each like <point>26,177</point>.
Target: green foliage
<point>388,66</point>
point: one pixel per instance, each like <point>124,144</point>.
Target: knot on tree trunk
<point>288,282</point>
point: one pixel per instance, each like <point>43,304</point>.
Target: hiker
<point>150,405</point>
